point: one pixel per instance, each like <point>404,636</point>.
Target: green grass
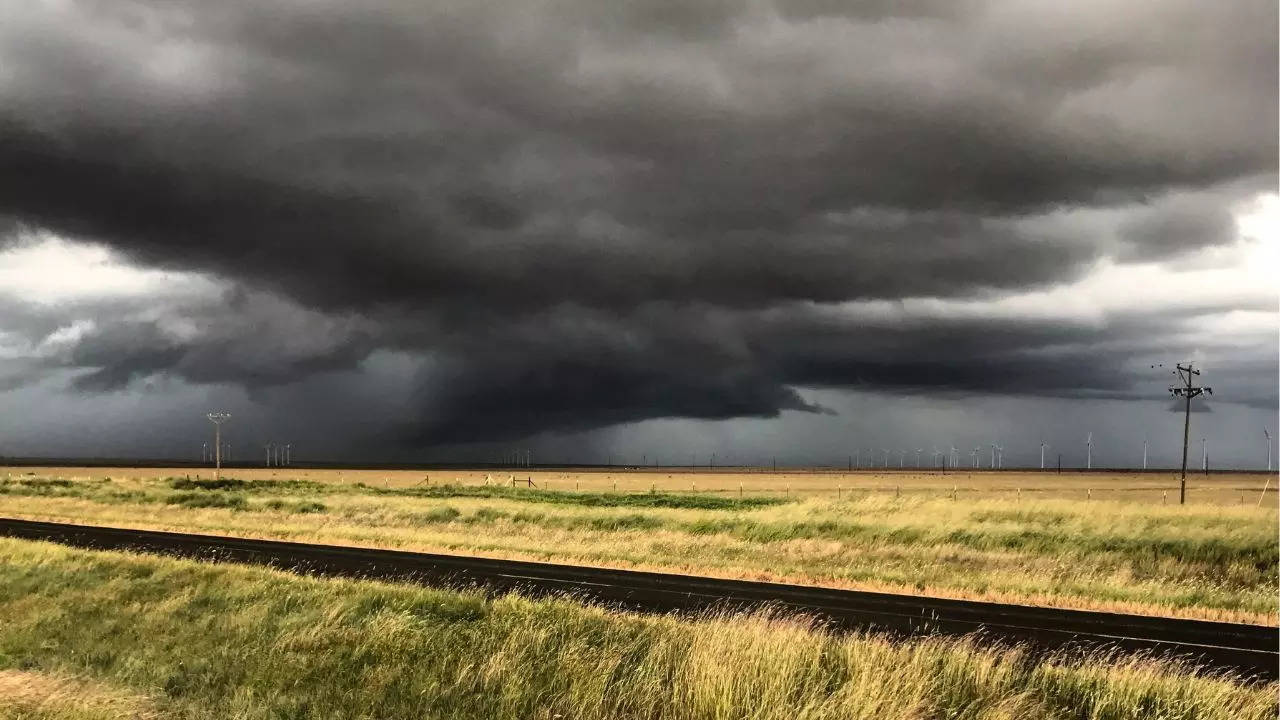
<point>214,641</point>
<point>1199,561</point>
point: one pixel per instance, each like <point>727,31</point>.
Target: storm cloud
<point>579,215</point>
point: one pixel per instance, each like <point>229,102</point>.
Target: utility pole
<point>1186,389</point>
<point>217,418</point>
<point>1267,434</point>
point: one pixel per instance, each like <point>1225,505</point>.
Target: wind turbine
<point>1204,454</point>
<point>999,458</point>
<point>1088,443</point>
<point>919,451</point>
<point>1144,452</point>
<point>902,459</point>
<point>1043,445</point>
<point>993,456</point>
<point>886,457</point>
<point>1267,434</point>
<point>955,456</point>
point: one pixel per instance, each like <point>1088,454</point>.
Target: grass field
<point>1202,560</point>
<point>1152,488</point>
<point>111,635</point>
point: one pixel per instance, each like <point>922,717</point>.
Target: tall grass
<point>1199,561</point>
<point>215,641</point>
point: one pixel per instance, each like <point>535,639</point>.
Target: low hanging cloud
<point>580,215</point>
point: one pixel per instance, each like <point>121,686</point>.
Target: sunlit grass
<point>215,641</point>
<point>1200,560</point>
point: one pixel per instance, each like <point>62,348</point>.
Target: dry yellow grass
<point>1154,488</point>
<point>31,695</point>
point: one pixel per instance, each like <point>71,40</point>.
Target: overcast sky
<point>441,230</point>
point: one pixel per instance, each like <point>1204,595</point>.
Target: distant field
<point>1210,560</point>
<point>114,636</point>
<point>1140,487</point>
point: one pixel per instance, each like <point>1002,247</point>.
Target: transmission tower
<point>217,418</point>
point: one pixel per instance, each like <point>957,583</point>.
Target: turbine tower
<point>1144,452</point>
<point>919,452</point>
<point>1043,445</point>
<point>1204,454</point>
<point>217,418</point>
<point>993,456</point>
<point>288,448</point>
<point>1088,444</point>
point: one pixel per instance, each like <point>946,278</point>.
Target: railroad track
<point>1248,649</point>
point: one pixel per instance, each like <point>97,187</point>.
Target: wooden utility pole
<point>1186,389</point>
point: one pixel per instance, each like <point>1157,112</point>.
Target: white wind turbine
<point>919,452</point>
<point>1043,445</point>
<point>973,456</point>
<point>1144,452</point>
<point>1204,454</point>
<point>1088,443</point>
<point>886,457</point>
<point>999,458</point>
<point>993,456</point>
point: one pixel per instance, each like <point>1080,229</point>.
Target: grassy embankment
<point>1196,561</point>
<point>112,635</point>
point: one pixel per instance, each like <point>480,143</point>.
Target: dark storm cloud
<point>591,214</point>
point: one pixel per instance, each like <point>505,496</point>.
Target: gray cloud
<point>589,215</point>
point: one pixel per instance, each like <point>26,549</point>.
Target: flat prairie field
<point>1150,487</point>
<point>1085,540</point>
